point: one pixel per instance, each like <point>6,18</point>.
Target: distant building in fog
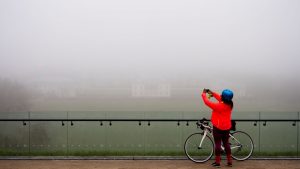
<point>153,91</point>
<point>60,92</point>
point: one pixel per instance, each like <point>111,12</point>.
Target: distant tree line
<point>13,96</point>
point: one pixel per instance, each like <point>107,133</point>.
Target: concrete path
<point>142,164</point>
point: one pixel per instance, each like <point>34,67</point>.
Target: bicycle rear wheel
<point>196,153</point>
<point>241,145</point>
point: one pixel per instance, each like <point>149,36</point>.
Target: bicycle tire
<point>194,152</point>
<point>242,146</point>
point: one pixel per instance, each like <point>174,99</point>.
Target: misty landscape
<point>148,55</point>
<point>124,77</point>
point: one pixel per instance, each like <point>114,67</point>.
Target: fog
<point>148,55</point>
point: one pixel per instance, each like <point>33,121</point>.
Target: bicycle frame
<point>207,129</point>
<point>233,147</point>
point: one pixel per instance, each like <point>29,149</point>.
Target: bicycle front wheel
<point>241,145</point>
<point>198,151</point>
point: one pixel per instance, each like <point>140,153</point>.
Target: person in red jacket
<point>221,120</point>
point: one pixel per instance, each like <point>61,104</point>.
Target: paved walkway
<point>142,164</point>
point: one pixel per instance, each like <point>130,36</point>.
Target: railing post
<point>259,133</point>
<point>106,148</point>
<point>29,133</point>
<point>297,124</point>
<point>144,135</point>
<point>67,134</point>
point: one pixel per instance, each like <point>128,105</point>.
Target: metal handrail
<point>160,120</point>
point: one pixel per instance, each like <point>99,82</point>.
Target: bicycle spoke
<point>241,145</point>
<point>196,153</point>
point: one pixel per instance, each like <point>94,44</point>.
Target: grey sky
<point>234,36</point>
<point>150,38</point>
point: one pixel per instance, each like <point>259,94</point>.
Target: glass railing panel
<point>125,138</point>
<point>14,138</point>
<point>278,138</point>
<point>48,137</point>
<point>134,138</point>
<point>14,135</point>
<point>87,138</point>
<point>163,138</point>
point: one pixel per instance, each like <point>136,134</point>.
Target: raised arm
<point>217,96</point>
<point>210,104</point>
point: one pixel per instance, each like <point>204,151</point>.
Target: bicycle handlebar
<point>203,123</point>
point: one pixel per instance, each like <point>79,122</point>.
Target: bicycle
<point>199,147</point>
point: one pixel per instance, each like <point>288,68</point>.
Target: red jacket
<point>221,112</point>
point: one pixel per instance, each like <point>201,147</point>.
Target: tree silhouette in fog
<point>13,96</point>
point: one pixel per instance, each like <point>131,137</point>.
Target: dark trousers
<point>221,136</point>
